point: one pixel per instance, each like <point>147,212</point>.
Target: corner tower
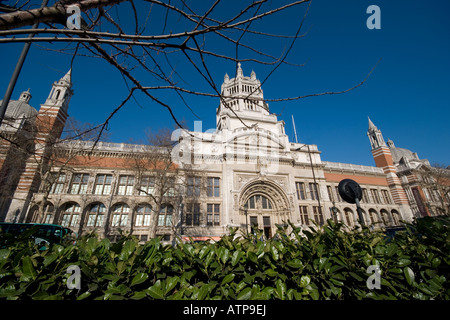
<point>383,159</point>
<point>48,125</point>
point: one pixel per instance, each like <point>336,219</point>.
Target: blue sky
<point>406,96</point>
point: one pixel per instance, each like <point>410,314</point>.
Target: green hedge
<point>328,263</point>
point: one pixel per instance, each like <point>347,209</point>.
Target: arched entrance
<point>262,205</point>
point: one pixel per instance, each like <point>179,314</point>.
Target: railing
<point>352,167</point>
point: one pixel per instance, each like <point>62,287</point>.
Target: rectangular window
<point>375,195</point>
<point>318,217</point>
<point>193,214</point>
<point>213,214</point>
<point>386,197</point>
<point>103,184</point>
<point>79,183</point>
<point>253,224</point>
<point>338,196</point>
<point>48,218</point>
<point>313,191</point>
<point>267,229</point>
<point>147,186</point>
<point>161,220</point>
<point>330,193</point>
<point>300,186</point>
<point>119,220</point>
<point>95,220</point>
<point>58,185</point>
<point>169,186</point>
<point>193,186</point>
<point>213,187</point>
<point>304,215</point>
<point>126,185</point>
<point>365,196</point>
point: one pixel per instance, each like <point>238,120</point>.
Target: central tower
<point>242,105</point>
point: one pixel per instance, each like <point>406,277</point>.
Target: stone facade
<point>244,173</point>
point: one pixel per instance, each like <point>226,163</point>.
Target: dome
<point>398,153</point>
<point>20,108</point>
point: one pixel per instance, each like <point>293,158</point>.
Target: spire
<point>375,136</point>
<point>226,78</point>
<point>67,78</point>
<point>371,125</point>
<point>239,72</point>
<point>253,75</point>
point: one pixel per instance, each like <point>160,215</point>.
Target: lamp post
<point>351,192</point>
<point>334,211</point>
<point>15,75</point>
<point>246,217</point>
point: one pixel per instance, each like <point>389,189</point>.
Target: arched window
<point>71,214</point>
<point>348,213</point>
<point>58,92</point>
<point>259,202</point>
<point>385,216</point>
<point>373,216</point>
<point>48,214</point>
<point>49,211</point>
<point>96,215</point>
<point>395,217</point>
<point>143,212</point>
<point>120,215</point>
<point>165,215</point>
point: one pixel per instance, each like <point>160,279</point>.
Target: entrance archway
<point>262,205</point>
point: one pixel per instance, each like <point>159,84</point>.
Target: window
<point>213,214</point>
<point>169,187</point>
<point>96,215</point>
<point>70,215</point>
<point>259,202</point>
<point>58,185</point>
<point>386,197</point>
<point>318,217</point>
<point>304,215</point>
<point>314,191</point>
<point>373,216</point>
<point>103,184</point>
<point>193,186</point>
<point>126,184</point>
<point>120,215</point>
<point>165,215</point>
<point>266,226</point>
<point>385,217</point>
<point>348,216</point>
<point>338,196</point>
<point>79,183</point>
<point>300,186</point>
<point>147,186</point>
<point>143,212</point>
<point>193,214</point>
<point>330,193</point>
<point>365,196</point>
<point>395,217</point>
<point>49,210</point>
<point>375,195</point>
<point>253,224</point>
<point>213,187</point>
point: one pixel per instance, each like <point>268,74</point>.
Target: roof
<point>18,108</point>
<point>399,153</point>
